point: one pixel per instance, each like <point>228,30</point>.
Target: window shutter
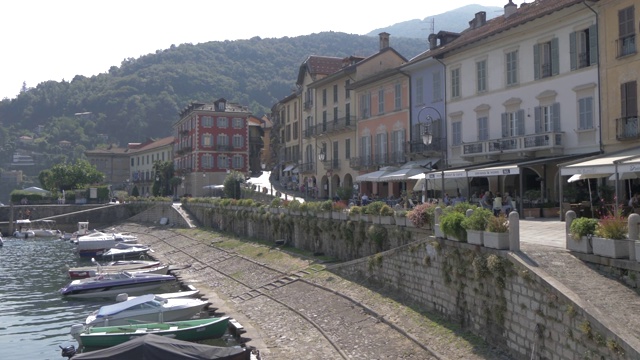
<point>505,128</point>
<point>593,44</point>
<point>520,122</point>
<point>537,116</point>
<point>555,57</point>
<point>555,116</point>
<point>572,51</point>
<point>394,142</point>
<point>536,61</point>
<point>623,100</point>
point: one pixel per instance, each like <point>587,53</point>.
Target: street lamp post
<point>427,139</point>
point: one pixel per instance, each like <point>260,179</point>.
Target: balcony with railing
<point>331,164</point>
<point>308,104</point>
<point>397,158</point>
<point>438,145</point>
<point>362,163</point>
<point>526,143</point>
<point>309,132</point>
<point>381,159</point>
<point>307,168</point>
<point>343,124</point>
<point>626,45</point>
<point>223,147</point>
<point>627,128</point>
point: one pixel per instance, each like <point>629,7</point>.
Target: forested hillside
<point>141,98</point>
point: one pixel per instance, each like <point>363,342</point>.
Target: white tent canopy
<point>37,190</point>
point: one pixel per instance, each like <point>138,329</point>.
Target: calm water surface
<point>34,318</point>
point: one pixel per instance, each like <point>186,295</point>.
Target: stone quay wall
<point>495,294</point>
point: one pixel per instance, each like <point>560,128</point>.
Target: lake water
<point>34,318</point>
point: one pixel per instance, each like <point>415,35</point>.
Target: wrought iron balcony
<point>336,126</point>
<point>627,128</point>
<point>361,163</point>
<point>307,168</point>
<point>437,145</point>
<point>626,45</point>
<point>308,104</point>
<point>381,159</point>
<point>310,132</point>
<point>397,158</point>
<point>223,147</point>
<point>525,143</point>
<point>332,164</point>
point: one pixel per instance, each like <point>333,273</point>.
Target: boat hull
<point>166,315</point>
<point>190,330</point>
<point>132,266</point>
<point>110,285</point>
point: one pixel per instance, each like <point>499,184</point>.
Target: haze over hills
<point>141,98</point>
<point>455,20</point>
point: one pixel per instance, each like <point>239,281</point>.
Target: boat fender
<point>122,297</point>
<point>76,329</point>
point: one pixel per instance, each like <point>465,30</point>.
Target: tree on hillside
<point>70,176</point>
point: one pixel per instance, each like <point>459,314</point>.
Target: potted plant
<point>496,236</point>
<point>354,212</point>
<point>451,225</point>
<point>373,210</point>
<point>581,231</point>
<point>532,210</point>
<point>338,208</point>
<point>401,217</point>
<point>386,215</point>
<point>421,215</point>
<point>344,193</point>
<point>610,237</point>
<point>476,225</point>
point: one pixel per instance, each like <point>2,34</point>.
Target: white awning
<point>289,168</point>
<point>577,177</point>
<point>403,174</point>
<point>623,176</point>
<point>376,175</point>
<point>511,169</point>
<point>419,186</point>
<point>605,164</point>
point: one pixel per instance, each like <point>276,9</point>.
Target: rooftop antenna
<point>431,22</point>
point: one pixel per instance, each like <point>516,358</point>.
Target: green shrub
<point>498,224</point>
<point>326,205</point>
<point>478,219</point>
<point>451,225</point>
<point>374,208</point>
<point>386,210</point>
<point>355,209</point>
<point>422,215</point>
<point>276,202</point>
<point>583,226</point>
<point>294,205</point>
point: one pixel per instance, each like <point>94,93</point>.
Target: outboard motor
<point>68,351</point>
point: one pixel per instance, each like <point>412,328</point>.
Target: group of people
<point>497,203</point>
<point>447,200</point>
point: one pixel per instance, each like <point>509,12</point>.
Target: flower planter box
<point>616,249</point>
<point>354,217</point>
<point>531,212</point>
<point>475,237</point>
<point>496,240</point>
<point>336,215</point>
<point>387,220</point>
<point>401,221</point>
<point>374,219</point>
<point>582,245</point>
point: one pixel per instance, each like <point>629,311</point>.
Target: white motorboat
<point>45,228</point>
<point>24,230</point>
<point>110,285</point>
<point>146,308</point>
<point>111,267</point>
<point>127,251</point>
<point>96,243</point>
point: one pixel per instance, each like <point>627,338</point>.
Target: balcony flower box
<point>475,237</point>
<point>611,248</point>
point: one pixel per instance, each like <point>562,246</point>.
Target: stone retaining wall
<point>493,293</point>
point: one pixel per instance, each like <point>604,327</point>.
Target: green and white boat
<point>188,330</point>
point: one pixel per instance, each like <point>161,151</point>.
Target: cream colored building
<point>619,73</point>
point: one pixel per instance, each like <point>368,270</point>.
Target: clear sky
<point>55,40</point>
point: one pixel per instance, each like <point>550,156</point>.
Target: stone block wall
<point>497,296</point>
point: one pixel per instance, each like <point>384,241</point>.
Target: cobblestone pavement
<point>318,316</point>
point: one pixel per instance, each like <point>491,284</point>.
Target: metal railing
<point>532,142</point>
<point>627,128</point>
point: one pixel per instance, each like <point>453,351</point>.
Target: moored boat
<point>126,251</point>
<point>153,346</point>
<point>111,267</point>
<point>146,308</point>
<point>188,330</point>
<point>45,228</point>
<point>110,285</point>
<point>23,230</point>
<point>96,243</point>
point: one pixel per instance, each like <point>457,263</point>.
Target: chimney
<point>433,41</point>
<point>481,18</point>
<point>510,9</point>
<point>384,40</point>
